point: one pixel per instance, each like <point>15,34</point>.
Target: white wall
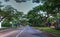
<point>0,24</point>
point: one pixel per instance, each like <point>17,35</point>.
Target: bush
<point>37,25</point>
<point>6,24</point>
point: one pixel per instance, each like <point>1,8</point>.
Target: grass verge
<point>50,30</point>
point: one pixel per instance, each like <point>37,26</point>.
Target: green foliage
<point>51,19</point>
<point>49,6</point>
<point>35,19</point>
<point>6,24</point>
<point>10,14</point>
<point>50,30</point>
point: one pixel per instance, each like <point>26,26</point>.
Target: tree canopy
<point>51,7</point>
<point>9,14</point>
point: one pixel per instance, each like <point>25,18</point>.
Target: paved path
<point>26,32</point>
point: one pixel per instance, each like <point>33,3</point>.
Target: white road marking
<point>20,32</point>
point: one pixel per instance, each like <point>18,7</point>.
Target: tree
<point>10,14</point>
<point>51,19</point>
<point>0,12</point>
<point>35,19</point>
<point>52,7</point>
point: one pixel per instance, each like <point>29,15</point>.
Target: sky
<point>23,7</point>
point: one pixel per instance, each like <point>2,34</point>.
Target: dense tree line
<point>34,16</point>
<point>51,7</point>
<point>9,14</point>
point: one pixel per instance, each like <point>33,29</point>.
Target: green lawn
<point>54,31</point>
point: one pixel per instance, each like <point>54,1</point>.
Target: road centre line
<point>20,32</point>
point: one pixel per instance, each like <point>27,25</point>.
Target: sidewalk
<point>5,31</point>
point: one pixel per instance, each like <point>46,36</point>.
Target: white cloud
<point>24,7</point>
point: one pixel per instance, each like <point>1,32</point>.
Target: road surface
<point>25,32</point>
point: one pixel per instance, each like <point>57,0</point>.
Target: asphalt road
<point>26,31</point>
